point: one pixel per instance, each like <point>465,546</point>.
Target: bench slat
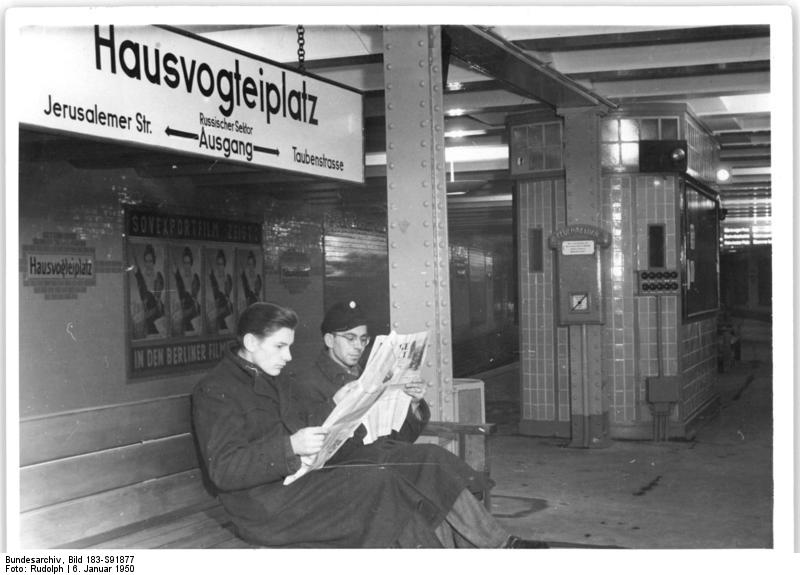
<point>142,537</point>
<point>74,477</point>
<point>64,524</point>
<point>201,536</point>
<point>74,433</point>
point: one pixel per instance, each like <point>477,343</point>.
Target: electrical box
<point>578,264</point>
<point>657,282</point>
<point>662,156</point>
<point>664,389</point>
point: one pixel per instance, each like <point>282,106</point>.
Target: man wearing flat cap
<point>435,472</point>
<point>345,335</point>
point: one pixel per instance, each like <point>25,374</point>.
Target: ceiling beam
<point>497,58</point>
<point>686,88</point>
<point>660,73</point>
<point>342,62</point>
<point>649,38</point>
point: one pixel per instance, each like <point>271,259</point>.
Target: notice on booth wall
<point>162,87</point>
<point>577,247</point>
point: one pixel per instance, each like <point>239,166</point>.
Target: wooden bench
<point>126,477</point>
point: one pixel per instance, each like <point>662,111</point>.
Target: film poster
<point>188,279</point>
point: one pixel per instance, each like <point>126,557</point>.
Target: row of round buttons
<point>659,275</point>
<point>656,286</point>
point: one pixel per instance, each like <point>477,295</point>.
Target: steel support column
<point>417,200</point>
<point>589,410</point>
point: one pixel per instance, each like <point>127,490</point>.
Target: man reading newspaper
<point>390,384</point>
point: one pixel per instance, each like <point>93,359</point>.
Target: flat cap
<point>343,316</point>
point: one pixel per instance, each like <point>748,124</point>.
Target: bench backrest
<point>87,473</point>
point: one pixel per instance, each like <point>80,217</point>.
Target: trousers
<point>469,524</point>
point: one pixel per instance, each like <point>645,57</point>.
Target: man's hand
<point>308,441</point>
<point>416,389</point>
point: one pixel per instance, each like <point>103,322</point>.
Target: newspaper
<point>377,398</point>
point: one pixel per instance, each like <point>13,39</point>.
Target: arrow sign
<point>274,151</point>
<point>171,132</point>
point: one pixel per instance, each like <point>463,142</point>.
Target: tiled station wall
<point>544,346</point>
<point>629,204</point>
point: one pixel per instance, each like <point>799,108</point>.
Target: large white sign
<point>164,87</point>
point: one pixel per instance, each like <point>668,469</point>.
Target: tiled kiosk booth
<point>644,366</point>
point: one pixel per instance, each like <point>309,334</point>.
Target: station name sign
<point>167,88</point>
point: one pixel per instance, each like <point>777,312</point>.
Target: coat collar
<point>249,373</point>
<point>334,371</point>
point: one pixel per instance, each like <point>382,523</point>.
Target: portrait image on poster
<point>147,306</point>
<point>185,266</point>
<point>219,290</point>
<point>250,283</point>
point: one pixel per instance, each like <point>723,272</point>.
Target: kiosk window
<point>536,247</point>
<point>655,246</point>
<point>701,245</point>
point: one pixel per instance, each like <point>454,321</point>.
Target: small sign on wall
<point>58,265</point>
<point>188,279</point>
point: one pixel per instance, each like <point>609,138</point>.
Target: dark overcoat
<point>243,420</point>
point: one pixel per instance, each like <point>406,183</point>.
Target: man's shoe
<point>515,542</point>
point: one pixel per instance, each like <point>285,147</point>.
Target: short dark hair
<point>263,319</point>
<point>187,251</point>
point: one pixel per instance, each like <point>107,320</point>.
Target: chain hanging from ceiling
<point>301,51</point>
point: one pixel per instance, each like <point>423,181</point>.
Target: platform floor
<point>714,491</point>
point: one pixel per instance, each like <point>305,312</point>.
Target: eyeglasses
<point>352,338</point>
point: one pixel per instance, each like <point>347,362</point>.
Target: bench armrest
<point>452,427</point>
